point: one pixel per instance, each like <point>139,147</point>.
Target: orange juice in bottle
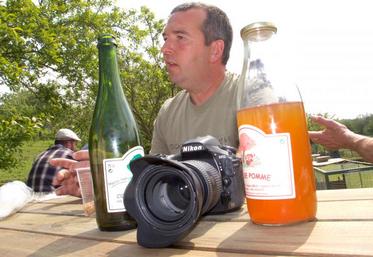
<point>274,144</point>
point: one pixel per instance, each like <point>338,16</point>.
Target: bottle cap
<point>106,39</point>
<point>258,31</point>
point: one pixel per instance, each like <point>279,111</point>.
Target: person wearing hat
<point>42,172</point>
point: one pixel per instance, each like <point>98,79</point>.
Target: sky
<point>330,44</point>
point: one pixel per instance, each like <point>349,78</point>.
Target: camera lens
<point>179,193</point>
<point>167,197</point>
<point>211,182</point>
<point>169,193</point>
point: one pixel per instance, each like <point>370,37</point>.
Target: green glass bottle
<point>113,142</point>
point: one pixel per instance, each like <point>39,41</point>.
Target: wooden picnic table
<point>58,227</point>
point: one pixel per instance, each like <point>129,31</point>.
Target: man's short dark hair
<point>216,25</point>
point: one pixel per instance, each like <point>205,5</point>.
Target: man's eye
<point>180,37</point>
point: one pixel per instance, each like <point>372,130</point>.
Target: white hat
<point>66,134</point>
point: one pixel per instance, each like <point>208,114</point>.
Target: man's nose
<point>167,47</point>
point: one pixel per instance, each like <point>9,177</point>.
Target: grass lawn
<point>20,172</point>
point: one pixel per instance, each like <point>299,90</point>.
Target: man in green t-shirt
<point>197,42</point>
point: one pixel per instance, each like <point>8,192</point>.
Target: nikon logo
<point>192,148</point>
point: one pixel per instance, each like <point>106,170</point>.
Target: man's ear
<point>217,49</point>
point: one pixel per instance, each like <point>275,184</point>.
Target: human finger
<point>61,176</point>
<point>81,155</point>
<point>80,164</point>
<point>62,162</point>
<point>329,123</point>
<point>314,134</point>
<point>68,190</point>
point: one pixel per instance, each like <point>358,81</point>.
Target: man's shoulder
<point>59,150</point>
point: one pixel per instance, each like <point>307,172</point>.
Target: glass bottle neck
<point>108,67</point>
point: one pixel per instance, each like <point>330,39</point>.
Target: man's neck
<point>200,95</point>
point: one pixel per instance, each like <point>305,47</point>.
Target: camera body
<point>168,193</point>
<point>223,158</point>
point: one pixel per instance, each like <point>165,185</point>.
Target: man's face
<point>184,50</point>
<point>71,144</point>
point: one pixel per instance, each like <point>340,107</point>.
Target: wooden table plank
<point>344,238</point>
<point>345,194</point>
<point>68,208</point>
<point>41,245</point>
<point>311,238</point>
<point>326,210</point>
<point>344,228</point>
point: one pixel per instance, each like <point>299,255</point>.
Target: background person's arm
<point>336,136</point>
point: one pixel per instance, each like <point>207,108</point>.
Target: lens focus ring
<point>211,180</point>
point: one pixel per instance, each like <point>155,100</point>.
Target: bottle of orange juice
<point>274,144</point>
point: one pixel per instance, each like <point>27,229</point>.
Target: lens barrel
<point>210,180</point>
<point>167,198</point>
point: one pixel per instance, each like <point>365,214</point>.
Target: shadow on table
<point>136,250</point>
<point>267,240</point>
<point>81,243</point>
<point>237,234</point>
<point>97,243</point>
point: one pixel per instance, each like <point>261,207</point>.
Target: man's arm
<point>337,136</point>
<point>364,146</point>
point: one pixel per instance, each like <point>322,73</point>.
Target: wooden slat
<point>345,210</point>
<point>69,208</point>
<point>322,195</point>
<point>327,210</point>
<point>313,238</point>
<point>22,244</point>
<point>344,228</point>
<point>345,194</point>
<point>59,199</point>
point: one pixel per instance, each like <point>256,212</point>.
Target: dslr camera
<point>168,194</point>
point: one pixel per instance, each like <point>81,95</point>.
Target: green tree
<point>48,59</point>
<point>314,126</point>
<point>368,128</point>
<point>14,131</point>
<point>363,124</point>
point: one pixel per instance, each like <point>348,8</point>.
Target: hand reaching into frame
<point>66,178</point>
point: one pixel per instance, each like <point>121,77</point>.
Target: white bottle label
<point>117,176</point>
<point>267,164</point>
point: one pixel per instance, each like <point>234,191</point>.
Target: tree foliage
<point>49,61</point>
<point>13,131</point>
<point>362,125</point>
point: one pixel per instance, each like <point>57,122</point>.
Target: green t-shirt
<point>179,119</point>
